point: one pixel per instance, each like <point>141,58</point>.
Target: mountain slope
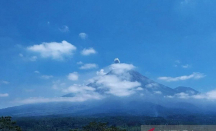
<point>187,90</point>
<point>148,86</point>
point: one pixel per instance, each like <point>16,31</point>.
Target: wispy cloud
<point>178,63</point>
<point>33,58</point>
<point>88,51</point>
<point>37,72</point>
<point>5,82</point>
<point>64,29</point>
<point>79,63</point>
<point>186,66</point>
<point>73,76</point>
<point>152,85</point>
<point>81,89</point>
<point>195,75</point>
<point>58,85</point>
<point>211,95</point>
<point>80,98</point>
<point>88,66</point>
<point>20,54</point>
<point>46,76</point>
<point>53,50</point>
<point>83,35</point>
<point>4,95</point>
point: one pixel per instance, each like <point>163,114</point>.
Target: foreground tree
<point>6,124</point>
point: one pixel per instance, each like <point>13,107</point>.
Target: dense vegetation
<point>102,123</point>
<point>6,124</point>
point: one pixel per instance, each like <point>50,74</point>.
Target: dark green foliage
<point>92,123</point>
<point>94,126</point>
<point>6,124</point>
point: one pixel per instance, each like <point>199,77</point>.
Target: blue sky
<point>45,45</point>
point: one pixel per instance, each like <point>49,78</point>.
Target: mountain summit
<point>123,78</point>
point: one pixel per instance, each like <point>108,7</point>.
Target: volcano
<point>124,91</point>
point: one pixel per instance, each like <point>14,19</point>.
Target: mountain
<point>107,107</point>
<point>149,98</point>
<point>148,86</point>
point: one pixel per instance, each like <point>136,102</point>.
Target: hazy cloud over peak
<point>121,67</point>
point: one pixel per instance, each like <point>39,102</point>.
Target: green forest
<point>98,123</point>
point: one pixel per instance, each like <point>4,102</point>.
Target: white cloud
<point>53,50</point>
<point>4,95</point>
<point>81,89</point>
<point>80,98</point>
<point>37,72</point>
<point>83,35</point>
<point>157,92</point>
<point>151,85</point>
<point>139,88</point>
<point>211,95</point>
<point>116,86</point>
<point>117,82</point>
<point>169,96</point>
<point>64,29</point>
<point>88,66</point>
<point>79,63</point>
<point>46,76</point>
<point>186,66</point>
<point>121,67</point>
<point>182,95</point>
<point>73,76</point>
<point>195,75</point>
<point>101,72</point>
<point>88,51</point>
